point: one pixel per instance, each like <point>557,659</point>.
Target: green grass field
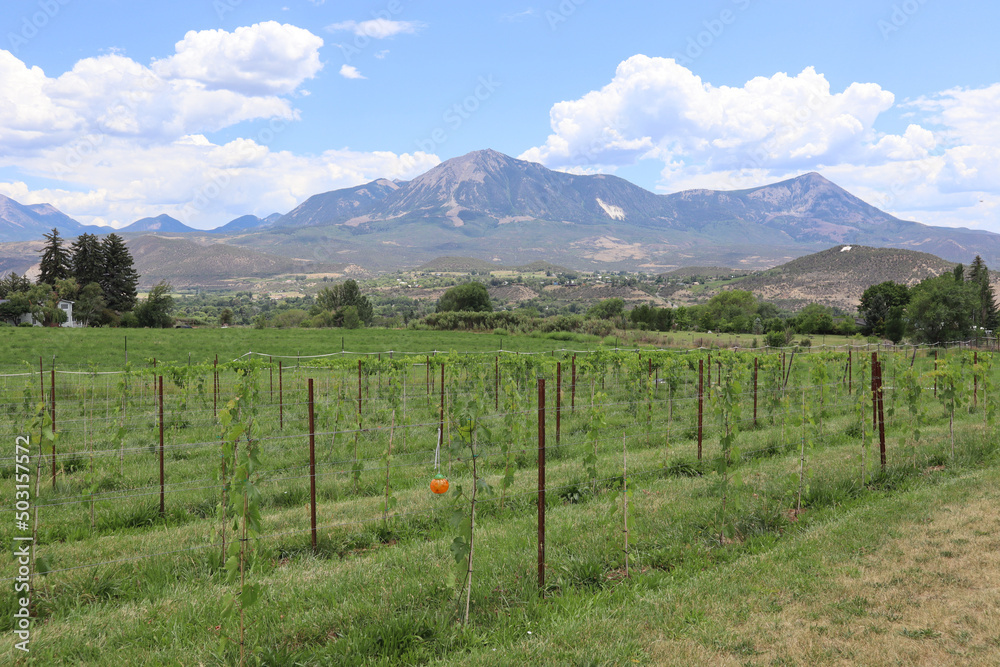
<point>800,550</point>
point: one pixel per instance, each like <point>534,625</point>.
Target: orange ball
<point>439,484</point>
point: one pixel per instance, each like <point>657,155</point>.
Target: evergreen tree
<point>55,262</point>
<point>87,260</point>
<point>985,315</point>
<point>119,278</point>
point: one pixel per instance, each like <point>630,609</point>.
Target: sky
<point>206,110</point>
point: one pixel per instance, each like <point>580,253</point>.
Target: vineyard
<point>277,510</point>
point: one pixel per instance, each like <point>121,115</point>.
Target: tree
<point>470,297</point>
<point>89,303</point>
<point>55,261</point>
<point>985,315</point>
<point>13,283</point>
<point>155,311</point>
<point>876,303</point>
<point>226,317</point>
<point>338,297</point>
<point>119,279</point>
<point>940,309</point>
<point>87,260</point>
<point>814,319</point>
<point>608,309</point>
<point>731,310</point>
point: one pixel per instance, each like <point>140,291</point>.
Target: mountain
<point>496,208</point>
<point>19,222</point>
<point>245,223</point>
<point>161,223</point>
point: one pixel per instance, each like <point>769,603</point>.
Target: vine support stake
<point>41,379</point>
<point>359,388</point>
<point>52,392</point>
<point>572,387</point>
<point>975,380</point>
<point>850,372</point>
<point>496,383</point>
<point>935,377</point>
<point>755,391</point>
<point>312,465</point>
<point>270,364</point>
<point>163,508</point>
<point>558,401</point>
<point>701,401</point>
<point>215,388</point>
<point>541,484</point>
<point>441,417</point>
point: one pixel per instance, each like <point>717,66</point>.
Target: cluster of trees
<point>953,306</point>
<point>98,276</point>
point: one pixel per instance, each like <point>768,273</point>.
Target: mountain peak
<point>161,223</point>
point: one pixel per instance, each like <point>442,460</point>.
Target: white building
<point>63,305</point>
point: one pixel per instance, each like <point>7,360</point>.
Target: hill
<point>245,223</point>
<point>183,262</point>
<point>839,276</point>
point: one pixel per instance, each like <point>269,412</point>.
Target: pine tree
<point>55,262</point>
<point>986,308</point>
<point>119,278</point>
<point>87,260</point>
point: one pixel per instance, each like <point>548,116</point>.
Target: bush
<point>598,328</point>
<point>129,320</point>
<point>805,342</point>
<point>774,339</point>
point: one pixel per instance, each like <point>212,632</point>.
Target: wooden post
<point>975,380</point>
<point>541,484</point>
<point>881,418</point>
<point>312,465</point>
<point>701,402</point>
<point>281,397</point>
<point>162,491</point>
<point>359,387</point>
<point>572,388</point>
<point>558,400</point>
<point>850,372</point>
<point>874,374</point>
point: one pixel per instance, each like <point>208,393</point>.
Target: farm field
<point>774,534</point>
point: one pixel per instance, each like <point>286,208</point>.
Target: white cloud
<point>350,72</point>
<point>727,137</point>
<point>377,28</point>
<point>121,140</point>
<point>267,58</point>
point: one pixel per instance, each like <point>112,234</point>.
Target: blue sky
<point>210,109</point>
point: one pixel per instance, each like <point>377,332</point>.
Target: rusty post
<point>541,484</point>
<point>701,401</point>
<point>162,492</point>
<point>881,418</point>
<point>975,380</point>
<point>52,395</point>
<point>572,388</point>
<point>874,391</point>
<point>558,401</point>
<point>312,465</point>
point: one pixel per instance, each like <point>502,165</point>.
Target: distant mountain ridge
<point>501,209</point>
<point>20,222</point>
<point>495,208</point>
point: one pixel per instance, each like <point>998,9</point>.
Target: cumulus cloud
<point>267,58</point>
<point>350,72</point>
<point>122,140</point>
<point>377,28</point>
<point>776,127</point>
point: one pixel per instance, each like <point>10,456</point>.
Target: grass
<point>756,585</point>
